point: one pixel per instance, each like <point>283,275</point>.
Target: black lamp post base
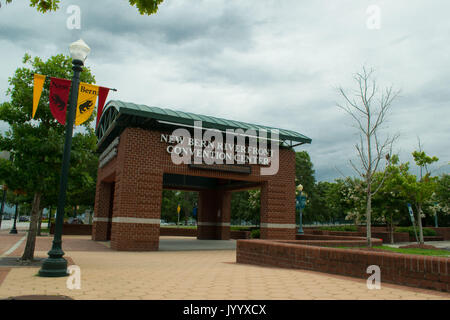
<point>54,267</point>
<point>13,231</point>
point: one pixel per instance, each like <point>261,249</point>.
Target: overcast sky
<point>269,62</point>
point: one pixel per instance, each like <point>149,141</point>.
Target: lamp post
<point>7,156</point>
<point>300,204</point>
<point>2,208</point>
<point>14,229</point>
<point>55,265</point>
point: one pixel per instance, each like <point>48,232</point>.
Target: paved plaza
<point>200,270</point>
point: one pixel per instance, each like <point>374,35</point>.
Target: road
<point>7,224</point>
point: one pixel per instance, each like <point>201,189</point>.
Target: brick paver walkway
<point>108,274</point>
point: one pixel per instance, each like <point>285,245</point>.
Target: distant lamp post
<point>300,204</point>
<point>7,156</point>
<point>2,208</point>
<point>55,265</point>
<point>14,229</point>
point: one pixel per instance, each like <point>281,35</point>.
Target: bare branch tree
<point>370,114</point>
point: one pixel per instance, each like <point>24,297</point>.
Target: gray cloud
<point>268,62</point>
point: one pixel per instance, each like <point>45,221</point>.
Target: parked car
<point>6,217</point>
<point>24,218</point>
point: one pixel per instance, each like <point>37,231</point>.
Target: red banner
<point>59,95</point>
<point>102,95</point>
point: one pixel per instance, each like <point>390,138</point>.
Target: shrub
<point>340,228</point>
<point>255,234</point>
<point>239,228</point>
<point>410,230</point>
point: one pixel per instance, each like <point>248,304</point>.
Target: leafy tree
<point>245,206</point>
<point>147,7</point>
<point>83,172</point>
<point>170,201</point>
<point>442,194</point>
<point>304,172</point>
<point>389,203</point>
<point>420,190</point>
<point>36,145</point>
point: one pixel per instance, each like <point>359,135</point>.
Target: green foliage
<point>255,234</point>
<point>340,228</point>
<point>304,173</point>
<point>170,201</point>
<point>36,145</point>
<point>147,7</point>
<point>410,230</point>
<point>245,206</point>
<point>389,203</point>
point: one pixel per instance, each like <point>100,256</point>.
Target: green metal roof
<point>118,114</point>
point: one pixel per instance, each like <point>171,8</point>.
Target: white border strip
<point>14,247</point>
<point>278,225</point>
<point>135,220</point>
<point>100,219</point>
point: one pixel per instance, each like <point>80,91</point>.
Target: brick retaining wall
<point>74,229</point>
<point>404,269</point>
<point>443,232</point>
<point>186,232</point>
<point>181,232</point>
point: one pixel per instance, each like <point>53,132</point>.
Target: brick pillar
<point>102,210</point>
<point>278,210</point>
<point>137,204</point>
<point>223,229</point>
<point>214,207</point>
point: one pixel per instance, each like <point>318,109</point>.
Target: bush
<point>239,228</point>
<point>339,228</point>
<point>410,230</point>
<point>255,234</point>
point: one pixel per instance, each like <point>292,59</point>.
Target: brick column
<point>214,208</point>
<point>278,201</point>
<point>137,205</point>
<point>102,210</point>
<point>223,229</point>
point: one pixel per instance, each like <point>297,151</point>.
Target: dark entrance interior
<point>214,201</point>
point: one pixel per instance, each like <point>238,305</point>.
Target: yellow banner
<point>87,96</point>
<point>37,91</point>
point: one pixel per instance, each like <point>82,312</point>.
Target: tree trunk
<point>28,253</point>
<point>368,217</point>
<point>419,223</point>
<point>392,230</point>
<point>49,219</point>
<point>39,222</point>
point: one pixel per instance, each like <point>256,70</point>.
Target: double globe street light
<point>55,265</point>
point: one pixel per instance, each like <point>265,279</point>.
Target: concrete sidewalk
<point>192,274</point>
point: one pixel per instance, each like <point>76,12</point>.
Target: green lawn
<point>425,252</point>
